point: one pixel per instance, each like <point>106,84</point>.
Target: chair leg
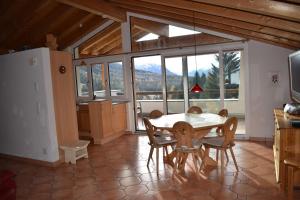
<point>234,160</point>
<point>195,163</point>
<point>150,155</point>
<point>157,160</point>
<point>217,155</point>
<point>222,159</point>
<point>204,158</point>
<point>175,164</point>
<point>290,191</point>
<point>226,155</point>
<point>167,153</point>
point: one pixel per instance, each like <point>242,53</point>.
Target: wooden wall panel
<point>64,98</point>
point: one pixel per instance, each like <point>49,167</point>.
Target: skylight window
<point>150,36</point>
<point>175,31</point>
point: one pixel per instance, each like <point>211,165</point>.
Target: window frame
<point>89,62</point>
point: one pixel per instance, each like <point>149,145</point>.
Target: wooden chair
<point>292,165</point>
<point>155,114</point>
<point>218,132</point>
<point>195,110</point>
<point>224,142</point>
<point>157,142</point>
<point>186,144</point>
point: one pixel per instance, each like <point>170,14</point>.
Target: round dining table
<point>202,124</point>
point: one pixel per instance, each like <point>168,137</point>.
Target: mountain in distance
<point>154,68</point>
<point>200,71</point>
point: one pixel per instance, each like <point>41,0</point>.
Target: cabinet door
<point>119,117</point>
<point>83,118</point>
<point>106,112</point>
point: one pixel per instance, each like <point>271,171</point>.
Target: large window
<point>82,80</point>
<point>174,84</point>
<point>98,76</point>
<point>100,80</point>
<point>204,70</point>
<point>231,62</point>
<point>116,78</point>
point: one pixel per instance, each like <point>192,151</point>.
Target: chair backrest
<point>195,110</point>
<point>228,130</point>
<point>184,133</point>
<point>150,129</point>
<point>155,114</point>
<point>223,113</point>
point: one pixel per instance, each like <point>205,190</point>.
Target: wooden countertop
<point>283,119</point>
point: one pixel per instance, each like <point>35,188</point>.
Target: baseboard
<point>32,161</point>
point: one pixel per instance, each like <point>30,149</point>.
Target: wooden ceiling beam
<point>20,19</point>
<point>116,50</point>
<point>98,7</point>
<point>151,26</point>
<point>231,13</point>
<point>69,30</point>
<point>78,31</point>
<point>30,34</point>
<point>181,41</point>
<point>103,49</point>
<point>214,19</point>
<point>265,7</point>
<point>101,42</point>
<point>220,28</point>
<point>70,14</point>
<point>111,31</point>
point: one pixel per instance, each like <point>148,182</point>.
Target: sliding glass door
<point>204,70</point>
<point>164,83</point>
<point>148,87</point>
<point>174,85</point>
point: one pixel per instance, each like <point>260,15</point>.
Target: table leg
<point>168,159</point>
<point>207,160</point>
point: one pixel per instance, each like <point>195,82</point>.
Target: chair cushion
<point>213,141</point>
<point>163,140</point>
<point>211,134</point>
<point>196,146</point>
<point>162,133</point>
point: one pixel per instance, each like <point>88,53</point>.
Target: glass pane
<point>116,78</point>
<point>148,87</point>
<point>82,81</point>
<point>204,70</point>
<point>231,62</point>
<point>174,83</point>
<point>105,42</point>
<point>98,80</point>
<point>234,94</point>
<point>150,35</point>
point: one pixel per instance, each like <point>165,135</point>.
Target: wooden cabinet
<point>119,115</point>
<point>107,121</point>
<point>286,143</point>
<point>83,118</point>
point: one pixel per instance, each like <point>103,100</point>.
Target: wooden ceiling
<point>26,22</point>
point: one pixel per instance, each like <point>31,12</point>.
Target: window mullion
<point>221,79</point>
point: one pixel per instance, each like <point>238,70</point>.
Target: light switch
<point>33,61</point>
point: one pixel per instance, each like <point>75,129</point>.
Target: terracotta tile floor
<point>118,171</point>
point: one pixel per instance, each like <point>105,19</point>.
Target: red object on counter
<point>7,185</point>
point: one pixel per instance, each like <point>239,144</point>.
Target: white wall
<point>27,121</point>
<point>263,96</point>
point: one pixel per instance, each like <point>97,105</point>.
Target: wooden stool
<point>292,165</point>
<point>75,151</point>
